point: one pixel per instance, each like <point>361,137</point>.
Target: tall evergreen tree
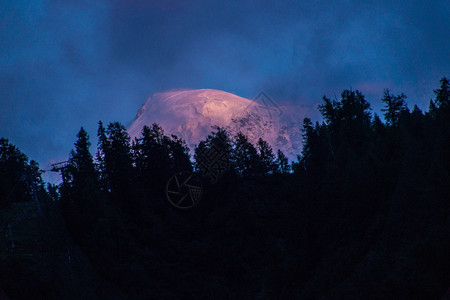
<point>266,158</point>
<point>84,175</point>
<point>13,173</point>
<point>443,94</point>
<point>355,115</point>
<point>102,148</point>
<point>80,194</point>
<point>152,155</point>
<point>394,107</point>
<point>282,163</point>
<point>82,157</point>
<point>116,163</point>
<point>178,154</point>
<point>245,156</point>
<point>213,156</point>
<point>310,139</point>
<point>432,110</point>
<point>330,111</point>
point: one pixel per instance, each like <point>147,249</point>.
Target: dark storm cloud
<point>65,64</point>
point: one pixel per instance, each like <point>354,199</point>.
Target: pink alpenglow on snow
<point>193,114</point>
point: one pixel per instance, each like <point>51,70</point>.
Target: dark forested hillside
<point>364,213</point>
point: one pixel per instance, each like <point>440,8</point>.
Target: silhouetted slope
<point>363,215</point>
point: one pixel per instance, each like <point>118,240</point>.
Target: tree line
<point>362,211</point>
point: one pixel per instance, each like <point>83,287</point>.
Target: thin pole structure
<point>11,236</point>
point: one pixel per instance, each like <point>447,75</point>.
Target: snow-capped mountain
<point>193,114</point>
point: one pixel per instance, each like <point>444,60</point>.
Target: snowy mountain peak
<point>193,114</point>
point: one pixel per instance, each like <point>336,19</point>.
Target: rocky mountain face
<point>193,114</point>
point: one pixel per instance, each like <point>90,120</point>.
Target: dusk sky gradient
<point>66,64</point>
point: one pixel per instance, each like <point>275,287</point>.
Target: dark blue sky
<point>66,64</point>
